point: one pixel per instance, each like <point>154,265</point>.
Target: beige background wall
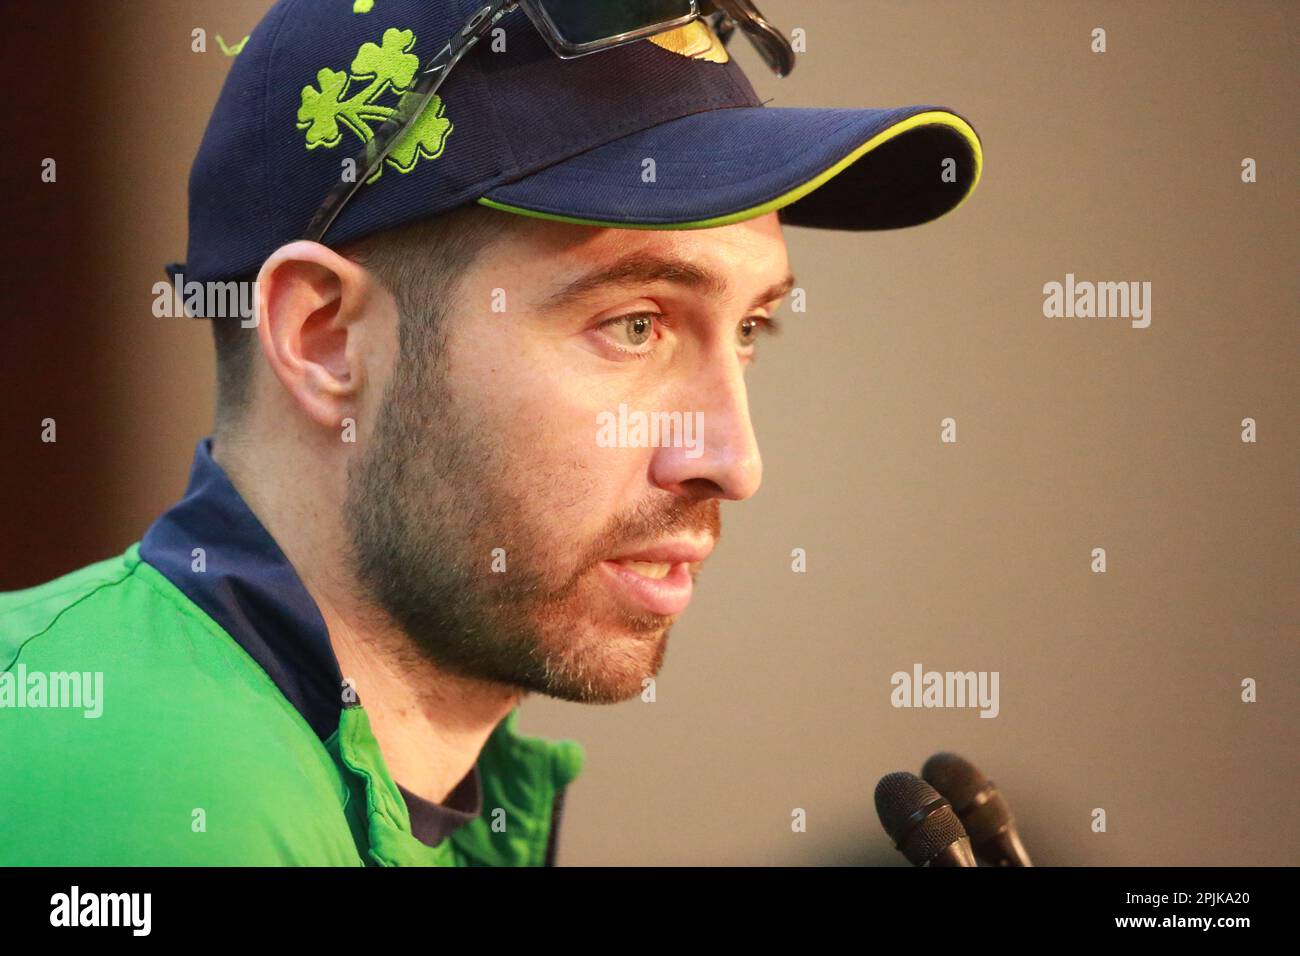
<point>1118,691</point>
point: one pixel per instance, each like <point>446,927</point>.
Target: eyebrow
<point>640,268</point>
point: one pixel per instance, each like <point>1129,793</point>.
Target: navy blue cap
<point>524,131</point>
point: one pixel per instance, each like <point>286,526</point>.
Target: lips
<point>658,578</point>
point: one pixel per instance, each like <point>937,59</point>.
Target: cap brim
<point>828,168</point>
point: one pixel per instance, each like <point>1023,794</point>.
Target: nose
<point>718,456</point>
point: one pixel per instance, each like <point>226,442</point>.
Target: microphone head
<point>978,803</point>
<point>954,776</point>
<point>919,821</point>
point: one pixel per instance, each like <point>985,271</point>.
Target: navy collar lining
<point>249,588</point>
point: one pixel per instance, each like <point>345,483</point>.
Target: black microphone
<point>981,808</point>
<point>920,822</point>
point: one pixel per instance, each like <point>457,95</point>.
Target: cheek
<point>548,437</point>
<point>536,423</point>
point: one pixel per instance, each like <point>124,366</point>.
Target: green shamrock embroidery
<point>233,50</point>
<point>387,69</point>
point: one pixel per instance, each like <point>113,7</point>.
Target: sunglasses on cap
<point>571,28</point>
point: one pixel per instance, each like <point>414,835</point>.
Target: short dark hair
<point>421,264</point>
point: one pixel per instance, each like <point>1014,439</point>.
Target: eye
<point>633,333</point>
<point>751,329</point>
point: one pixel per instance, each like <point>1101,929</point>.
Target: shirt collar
<point>432,822</point>
<point>212,546</point>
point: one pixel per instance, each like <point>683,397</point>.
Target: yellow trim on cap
<point>929,118</point>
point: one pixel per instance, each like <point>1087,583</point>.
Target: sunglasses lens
<point>585,21</point>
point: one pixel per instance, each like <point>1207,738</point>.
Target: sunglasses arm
<point>409,108</point>
<point>770,43</point>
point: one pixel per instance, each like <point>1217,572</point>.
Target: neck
<point>430,724</point>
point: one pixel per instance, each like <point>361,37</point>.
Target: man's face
<point>528,507</point>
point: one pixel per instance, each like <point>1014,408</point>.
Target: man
<point>473,446</point>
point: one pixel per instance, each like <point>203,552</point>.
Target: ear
<point>311,306</point>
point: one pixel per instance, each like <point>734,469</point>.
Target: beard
<point>455,538</point>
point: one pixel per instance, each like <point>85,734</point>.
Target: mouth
<point>659,579</point>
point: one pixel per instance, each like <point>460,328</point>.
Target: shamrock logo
<point>385,70</point>
<point>232,50</point>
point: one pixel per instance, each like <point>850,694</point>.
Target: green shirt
<point>137,730</point>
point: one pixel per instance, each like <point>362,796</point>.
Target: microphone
<point>920,822</point>
<point>981,808</point>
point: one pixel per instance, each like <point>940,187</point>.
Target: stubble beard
<point>430,501</point>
